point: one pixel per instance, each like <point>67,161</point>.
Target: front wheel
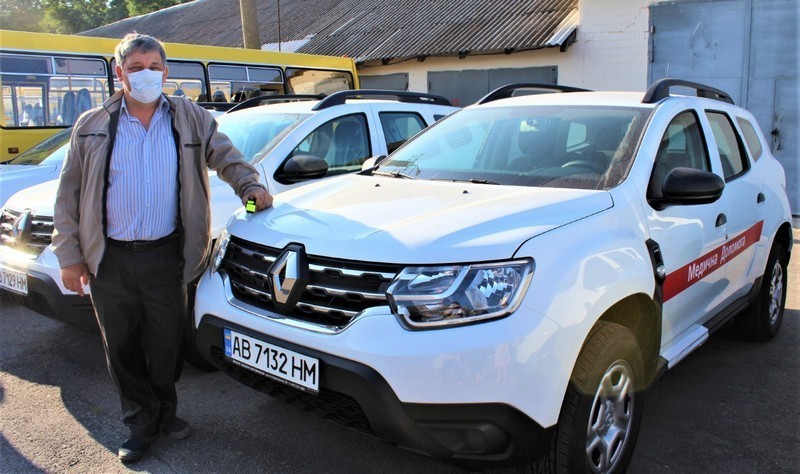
<point>602,408</point>
<point>762,320</point>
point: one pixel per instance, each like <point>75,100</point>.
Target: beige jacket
<point>80,220</point>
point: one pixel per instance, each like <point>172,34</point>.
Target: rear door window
<point>729,144</point>
<point>751,137</point>
<point>398,127</point>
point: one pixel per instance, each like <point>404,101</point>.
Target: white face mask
<point>145,85</point>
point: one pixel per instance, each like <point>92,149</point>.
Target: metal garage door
<point>747,48</point>
<point>393,82</point>
<point>466,87</point>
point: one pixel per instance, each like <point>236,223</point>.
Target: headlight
<point>219,251</point>
<point>458,294</point>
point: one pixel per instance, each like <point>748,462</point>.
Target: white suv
<point>503,287</point>
<point>291,140</point>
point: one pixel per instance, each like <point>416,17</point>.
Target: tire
<point>762,320</point>
<point>190,353</point>
<point>602,408</point>
<point>192,356</point>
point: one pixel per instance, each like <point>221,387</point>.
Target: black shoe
<point>176,429</point>
<point>134,448</point>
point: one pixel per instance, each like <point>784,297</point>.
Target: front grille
<point>25,231</point>
<point>327,404</point>
<point>337,290</point>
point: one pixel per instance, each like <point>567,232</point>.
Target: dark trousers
<point>140,303</point>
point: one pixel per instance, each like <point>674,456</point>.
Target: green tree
<point>23,15</point>
<point>73,16</point>
<point>117,10</point>
<point>140,7</point>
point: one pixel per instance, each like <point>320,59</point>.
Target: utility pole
<point>249,24</point>
<point>279,24</point>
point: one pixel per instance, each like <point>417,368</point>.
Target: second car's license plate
<point>14,281</point>
<point>297,370</point>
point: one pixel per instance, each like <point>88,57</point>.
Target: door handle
<point>721,220</point>
<point>760,198</point>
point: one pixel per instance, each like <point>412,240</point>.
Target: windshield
<point>579,147</point>
<point>254,134</point>
<point>57,156</point>
<point>43,149</point>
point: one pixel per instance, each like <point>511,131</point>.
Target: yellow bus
<point>49,80</point>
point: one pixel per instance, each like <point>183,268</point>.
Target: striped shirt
<point>142,200</point>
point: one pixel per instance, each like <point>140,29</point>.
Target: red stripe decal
<point>684,277</point>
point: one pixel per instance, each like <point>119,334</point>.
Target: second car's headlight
<point>458,294</point>
<point>219,251</point>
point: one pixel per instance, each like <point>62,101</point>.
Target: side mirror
<point>689,186</point>
<point>304,167</point>
<point>372,162</point>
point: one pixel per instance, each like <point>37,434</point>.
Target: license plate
<point>14,281</point>
<point>277,363</point>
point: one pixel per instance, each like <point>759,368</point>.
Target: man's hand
<point>261,197</point>
<point>75,277</point>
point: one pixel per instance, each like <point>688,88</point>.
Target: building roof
<point>366,30</point>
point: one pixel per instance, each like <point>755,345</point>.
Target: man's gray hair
<point>136,43</point>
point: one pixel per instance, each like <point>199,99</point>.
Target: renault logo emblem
<point>288,277</point>
<point>21,226</point>
<point>284,276</point>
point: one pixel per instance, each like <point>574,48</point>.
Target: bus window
<point>238,83</point>
<point>314,81</point>
<point>185,79</point>
<point>46,91</point>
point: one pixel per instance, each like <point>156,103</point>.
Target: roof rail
<point>508,90</point>
<point>660,90</point>
<point>255,101</point>
<point>339,98</point>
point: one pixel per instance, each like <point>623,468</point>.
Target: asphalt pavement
<point>730,407</point>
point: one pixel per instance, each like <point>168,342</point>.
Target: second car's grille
<point>336,290</point>
<point>25,231</point>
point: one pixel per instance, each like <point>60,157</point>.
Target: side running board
<point>687,342</point>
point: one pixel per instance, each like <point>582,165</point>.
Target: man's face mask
<point>145,85</point>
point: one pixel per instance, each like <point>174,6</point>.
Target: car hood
<point>13,171</point>
<point>40,199</point>
<point>401,221</point>
<point>14,178</point>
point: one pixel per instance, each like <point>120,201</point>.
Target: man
<point>132,220</point>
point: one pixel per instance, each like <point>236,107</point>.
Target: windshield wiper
<point>393,174</point>
<point>482,181</point>
<point>471,180</point>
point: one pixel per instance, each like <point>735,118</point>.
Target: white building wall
<point>612,45</point>
<point>610,53</point>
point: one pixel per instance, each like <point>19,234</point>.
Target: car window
<point>751,137</point>
<point>342,142</point>
<point>734,161</point>
<point>255,134</point>
<point>398,127</point>
<point>582,147</point>
<point>682,146</point>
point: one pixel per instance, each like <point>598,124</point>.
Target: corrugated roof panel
<point>369,29</point>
